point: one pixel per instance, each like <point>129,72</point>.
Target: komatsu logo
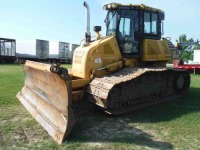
<point>80,52</point>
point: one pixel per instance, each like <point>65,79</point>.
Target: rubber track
<point>135,88</point>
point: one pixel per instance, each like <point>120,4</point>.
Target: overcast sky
<point>64,20</point>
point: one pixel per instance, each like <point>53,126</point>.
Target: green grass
<point>171,125</point>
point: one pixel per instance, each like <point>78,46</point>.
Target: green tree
<point>186,56</point>
<point>182,38</point>
<point>191,40</point>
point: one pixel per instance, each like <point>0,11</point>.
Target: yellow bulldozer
<point>120,72</point>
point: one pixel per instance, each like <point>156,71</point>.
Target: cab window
<point>150,23</point>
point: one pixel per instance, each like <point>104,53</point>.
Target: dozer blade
<point>47,95</point>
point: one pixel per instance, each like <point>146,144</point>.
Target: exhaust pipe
<point>87,34</point>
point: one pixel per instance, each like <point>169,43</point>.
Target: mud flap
<point>47,95</point>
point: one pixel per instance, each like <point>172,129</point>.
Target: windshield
<point>111,22</point>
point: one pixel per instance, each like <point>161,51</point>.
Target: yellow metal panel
<point>79,83</point>
<point>155,50</point>
<point>95,55</point>
<point>131,62</point>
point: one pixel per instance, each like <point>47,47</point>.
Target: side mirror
<point>97,28</point>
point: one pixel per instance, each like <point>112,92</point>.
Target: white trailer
<point>7,50</point>
<point>74,46</point>
<point>196,57</point>
<point>37,48</point>
<point>59,50</point>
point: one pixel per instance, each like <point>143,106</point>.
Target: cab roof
<point>113,6</point>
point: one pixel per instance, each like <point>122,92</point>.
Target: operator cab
<point>131,24</point>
